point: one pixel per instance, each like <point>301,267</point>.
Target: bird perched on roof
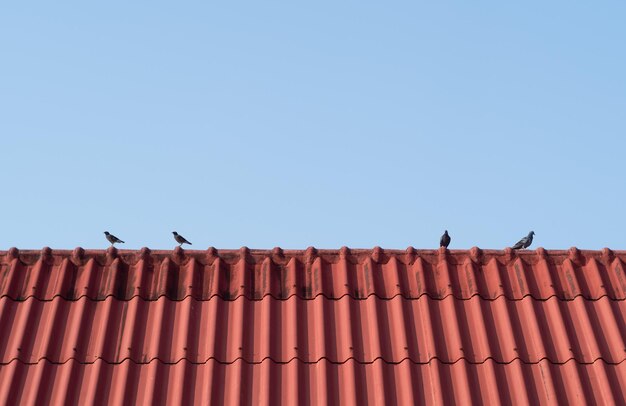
<point>445,239</point>
<point>524,242</point>
<point>180,239</point>
<point>112,239</point>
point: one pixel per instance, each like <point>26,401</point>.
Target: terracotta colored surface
<point>270,383</point>
<point>307,274</point>
<point>312,327</point>
<point>310,330</point>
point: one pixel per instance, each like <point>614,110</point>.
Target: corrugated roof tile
<point>296,382</point>
<point>329,273</point>
<point>316,326</point>
<point>337,330</point>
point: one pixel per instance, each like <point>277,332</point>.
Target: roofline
<point>277,254</point>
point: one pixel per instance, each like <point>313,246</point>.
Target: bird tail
<point>122,242</point>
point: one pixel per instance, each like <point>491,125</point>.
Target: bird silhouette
<point>112,239</point>
<point>445,239</point>
<point>180,239</point>
<point>524,242</point>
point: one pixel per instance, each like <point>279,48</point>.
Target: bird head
<point>174,232</point>
<point>445,231</point>
<point>531,233</point>
<point>106,233</point>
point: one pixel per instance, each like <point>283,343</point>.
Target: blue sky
<point>328,124</point>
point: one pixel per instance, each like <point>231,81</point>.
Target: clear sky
<point>327,124</point>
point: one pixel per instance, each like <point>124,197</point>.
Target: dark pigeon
<point>180,239</point>
<point>524,242</point>
<point>112,239</point>
<point>445,240</point>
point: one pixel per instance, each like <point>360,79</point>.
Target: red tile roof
<point>310,327</point>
